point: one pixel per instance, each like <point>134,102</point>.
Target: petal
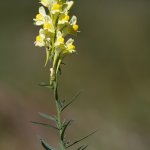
<point>38,23</point>
<point>46,3</point>
<point>70,41</point>
<point>59,34</point>
<point>73,20</point>
<point>42,11</point>
<point>69,4</point>
<point>41,32</point>
<point>48,19</point>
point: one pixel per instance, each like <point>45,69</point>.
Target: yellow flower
<point>61,40</point>
<point>75,27</point>
<point>66,18</point>
<point>71,47</point>
<point>39,38</point>
<point>56,7</point>
<point>63,19</point>
<point>47,26</point>
<point>39,17</point>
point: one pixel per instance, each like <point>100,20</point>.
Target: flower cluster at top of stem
<point>56,24</point>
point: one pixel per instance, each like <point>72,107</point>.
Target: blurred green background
<point>112,67</point>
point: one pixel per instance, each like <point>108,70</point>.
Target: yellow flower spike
<point>56,6</point>
<point>47,26</point>
<point>75,27</point>
<point>61,40</point>
<point>39,17</point>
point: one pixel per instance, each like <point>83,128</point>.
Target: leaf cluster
<point>62,106</point>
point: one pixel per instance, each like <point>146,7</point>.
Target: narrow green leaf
<point>58,66</point>
<point>81,139</point>
<point>43,84</point>
<point>73,99</point>
<point>47,56</point>
<point>46,116</point>
<point>46,146</point>
<point>82,147</point>
<point>46,85</point>
<point>64,129</point>
<point>44,124</point>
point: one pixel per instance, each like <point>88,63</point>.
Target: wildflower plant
<point>55,25</point>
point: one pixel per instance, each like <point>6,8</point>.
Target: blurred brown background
<point>112,67</point>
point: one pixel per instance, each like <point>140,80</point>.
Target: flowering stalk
<point>55,25</point>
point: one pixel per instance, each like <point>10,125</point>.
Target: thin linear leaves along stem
<point>55,24</point>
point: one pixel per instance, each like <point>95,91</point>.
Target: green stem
<point>56,65</point>
<point>59,119</point>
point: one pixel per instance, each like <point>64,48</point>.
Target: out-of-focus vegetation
<point>112,66</point>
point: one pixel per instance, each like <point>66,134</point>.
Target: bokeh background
<point>112,68</point>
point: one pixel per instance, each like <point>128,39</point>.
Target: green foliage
<point>71,101</point>
<point>82,147</point>
<point>44,124</point>
<point>55,24</point>
<point>46,146</point>
<point>85,137</point>
<point>46,85</point>
<point>46,116</point>
<point>61,127</point>
<point>64,129</point>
